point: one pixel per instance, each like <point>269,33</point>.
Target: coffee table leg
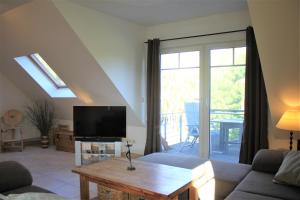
<point>84,188</point>
<point>193,194</point>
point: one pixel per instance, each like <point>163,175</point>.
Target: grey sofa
<point>235,181</point>
<point>258,182</point>
<point>16,179</point>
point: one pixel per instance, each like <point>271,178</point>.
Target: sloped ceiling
<point>6,5</point>
<point>153,12</point>
<point>39,27</point>
<point>116,44</point>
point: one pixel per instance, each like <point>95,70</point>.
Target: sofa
<point>220,180</point>
<point>16,179</point>
<point>258,183</point>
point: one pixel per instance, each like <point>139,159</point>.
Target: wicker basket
<point>105,193</point>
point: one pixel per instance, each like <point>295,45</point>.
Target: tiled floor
<point>50,169</point>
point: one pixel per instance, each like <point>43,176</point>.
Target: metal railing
<point>174,125</point>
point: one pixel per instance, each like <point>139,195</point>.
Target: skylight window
<point>45,76</point>
<point>47,70</point>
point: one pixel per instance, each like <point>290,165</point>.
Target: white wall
<point>12,98</point>
<point>201,25</point>
<point>116,44</point>
<point>276,26</point>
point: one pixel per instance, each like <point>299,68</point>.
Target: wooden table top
<point>148,178</point>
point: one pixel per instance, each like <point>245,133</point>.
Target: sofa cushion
<point>269,161</point>
<point>289,171</point>
<point>176,160</point>
<point>13,175</point>
<point>239,195</point>
<point>261,183</point>
<point>232,172</point>
<point>35,196</point>
<point>228,176</point>
<point>30,188</point>
<point>2,197</point>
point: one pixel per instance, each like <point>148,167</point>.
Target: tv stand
<point>87,152</point>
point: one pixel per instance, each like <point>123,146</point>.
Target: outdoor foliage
<point>228,89</point>
<point>180,83</point>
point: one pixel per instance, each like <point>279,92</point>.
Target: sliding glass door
<point>180,74</point>
<point>227,91</point>
<point>202,101</point>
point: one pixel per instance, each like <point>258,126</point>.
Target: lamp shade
<point>290,120</point>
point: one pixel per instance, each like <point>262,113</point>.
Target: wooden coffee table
<point>151,180</point>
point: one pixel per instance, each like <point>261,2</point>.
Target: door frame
<point>204,81</point>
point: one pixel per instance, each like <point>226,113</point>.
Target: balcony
<point>226,127</point>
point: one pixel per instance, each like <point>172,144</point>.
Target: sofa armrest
<point>267,160</point>
<point>13,175</point>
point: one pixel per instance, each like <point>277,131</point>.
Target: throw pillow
<point>289,171</point>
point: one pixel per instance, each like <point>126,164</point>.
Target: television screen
<point>99,121</point>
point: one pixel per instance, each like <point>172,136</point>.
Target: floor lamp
<point>290,120</point>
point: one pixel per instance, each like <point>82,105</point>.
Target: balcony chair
<point>192,120</point>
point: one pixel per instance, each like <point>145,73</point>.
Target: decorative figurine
<point>128,156</point>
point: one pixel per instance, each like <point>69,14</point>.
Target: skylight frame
<point>47,70</point>
<point>40,77</point>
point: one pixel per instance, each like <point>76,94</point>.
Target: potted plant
<point>41,115</point>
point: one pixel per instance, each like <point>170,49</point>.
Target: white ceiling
<point>6,5</point>
<point>152,12</point>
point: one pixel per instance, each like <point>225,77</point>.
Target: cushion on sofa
<point>2,197</point>
<point>232,172</point>
<point>176,160</point>
<point>261,183</point>
<point>13,175</point>
<point>239,195</point>
<point>268,161</point>
<point>228,176</point>
<point>35,196</point>
<point>289,171</point>
<point>31,188</point>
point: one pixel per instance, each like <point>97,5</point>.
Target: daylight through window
<point>44,76</point>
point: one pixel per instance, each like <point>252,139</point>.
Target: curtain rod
<point>203,35</point>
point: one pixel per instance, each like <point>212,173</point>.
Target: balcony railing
<point>174,126</point>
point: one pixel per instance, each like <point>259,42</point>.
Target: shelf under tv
<point>85,151</point>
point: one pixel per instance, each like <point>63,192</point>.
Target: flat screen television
<point>96,122</point>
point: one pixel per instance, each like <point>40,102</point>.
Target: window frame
<point>34,71</point>
<point>38,63</point>
<point>204,93</point>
